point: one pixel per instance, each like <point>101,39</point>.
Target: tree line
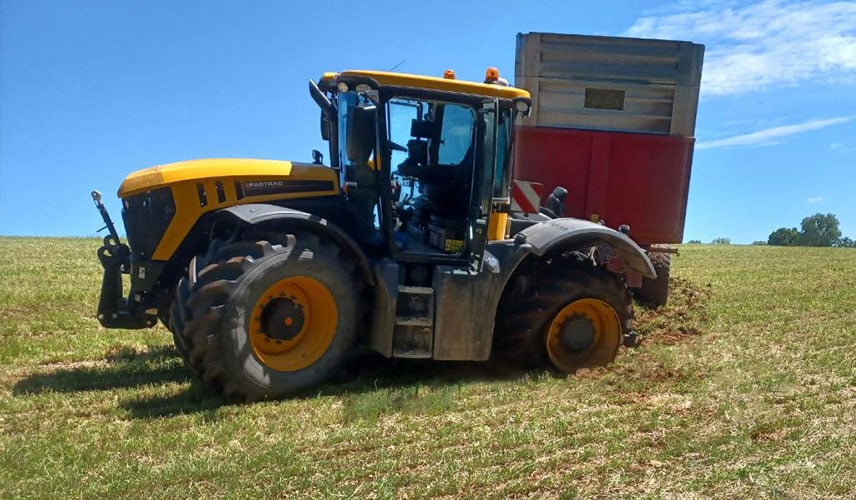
<point>818,230</point>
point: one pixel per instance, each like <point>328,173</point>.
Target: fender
<point>258,213</point>
<point>566,232</point>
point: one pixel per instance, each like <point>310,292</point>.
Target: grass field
<point>744,387</point>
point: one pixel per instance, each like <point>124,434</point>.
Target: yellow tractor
<point>268,273</point>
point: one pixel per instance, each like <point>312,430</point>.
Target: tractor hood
<point>162,175</point>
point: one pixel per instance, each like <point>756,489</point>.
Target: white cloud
<point>841,148</point>
<point>768,136</point>
<point>814,199</point>
<point>758,45</point>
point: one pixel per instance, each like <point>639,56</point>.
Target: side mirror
<point>360,133</point>
<point>325,127</point>
<point>523,106</point>
<point>328,111</point>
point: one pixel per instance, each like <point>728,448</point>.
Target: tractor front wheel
<point>269,320</point>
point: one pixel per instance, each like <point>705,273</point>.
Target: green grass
<point>744,386</point>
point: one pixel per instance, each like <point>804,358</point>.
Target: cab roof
<point>433,83</point>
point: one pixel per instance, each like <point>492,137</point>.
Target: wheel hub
<point>282,319</point>
<point>577,334</point>
<point>584,333</point>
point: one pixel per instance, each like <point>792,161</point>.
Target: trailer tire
<point>564,318</point>
<point>654,293</point>
<point>270,321</point>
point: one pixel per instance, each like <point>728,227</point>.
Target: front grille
<point>146,217</point>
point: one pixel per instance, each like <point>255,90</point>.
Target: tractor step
<point>413,336</point>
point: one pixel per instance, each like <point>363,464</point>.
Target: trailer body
<point>613,122</point>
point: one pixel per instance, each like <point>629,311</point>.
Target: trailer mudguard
<point>555,234</point>
<point>259,213</point>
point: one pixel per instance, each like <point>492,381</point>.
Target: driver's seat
<point>417,148</point>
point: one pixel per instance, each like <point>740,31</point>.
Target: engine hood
<point>163,175</point>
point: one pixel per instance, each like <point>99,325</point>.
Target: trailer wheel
<point>267,321</point>
<point>565,319</point>
<point>655,292</point>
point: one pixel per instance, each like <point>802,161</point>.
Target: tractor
<point>270,273</point>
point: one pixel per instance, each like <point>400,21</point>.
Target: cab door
<point>483,173</point>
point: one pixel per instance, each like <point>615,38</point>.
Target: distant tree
<point>721,241</point>
<point>694,242</point>
<point>820,230</point>
<point>759,243</point>
<point>784,237</point>
<point>845,242</point>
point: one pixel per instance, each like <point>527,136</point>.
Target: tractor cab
<point>424,162</point>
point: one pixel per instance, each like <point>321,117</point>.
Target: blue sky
<point>92,90</point>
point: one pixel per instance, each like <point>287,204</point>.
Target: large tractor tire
<point>168,316</point>
<point>264,321</point>
<point>655,292</point>
<point>165,316</point>
<point>177,318</point>
<point>180,312</point>
<point>565,318</point>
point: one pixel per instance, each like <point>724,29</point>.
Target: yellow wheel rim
<point>584,333</point>
<point>293,323</point>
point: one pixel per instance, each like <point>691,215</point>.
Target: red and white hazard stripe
<point>526,196</point>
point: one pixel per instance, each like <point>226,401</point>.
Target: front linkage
<point>115,310</point>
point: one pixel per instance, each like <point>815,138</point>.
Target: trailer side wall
<point>613,121</point>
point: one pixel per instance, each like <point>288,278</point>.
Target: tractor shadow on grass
<point>374,386</point>
<point>127,369</point>
<point>367,383</point>
<point>120,369</point>
<point>142,374</point>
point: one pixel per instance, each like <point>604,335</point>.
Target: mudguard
<point>258,213</point>
<point>554,234</point>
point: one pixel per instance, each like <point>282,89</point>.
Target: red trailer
<point>613,121</point>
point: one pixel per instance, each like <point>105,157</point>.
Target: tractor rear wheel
<point>655,292</point>
<point>565,319</point>
<point>265,321</point>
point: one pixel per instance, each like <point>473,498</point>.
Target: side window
<point>347,100</point>
<point>400,114</point>
<point>432,150</point>
<point>456,134</point>
<point>500,179</point>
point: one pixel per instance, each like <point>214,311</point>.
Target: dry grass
<point>743,387</point>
